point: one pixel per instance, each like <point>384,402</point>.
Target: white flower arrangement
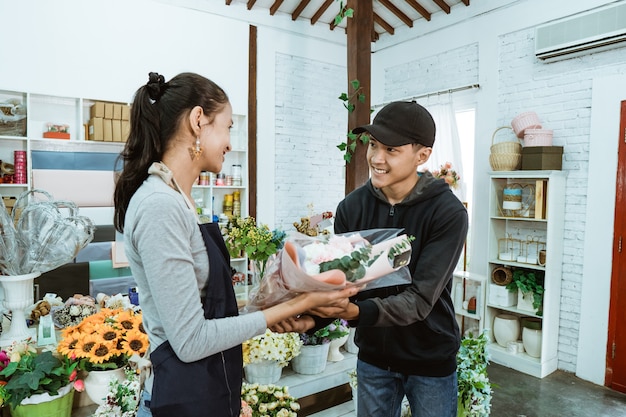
<point>122,400</point>
<point>280,347</point>
<point>268,400</point>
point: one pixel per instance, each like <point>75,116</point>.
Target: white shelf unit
<point>548,228</point>
<point>75,112</point>
<point>466,285</point>
<point>212,196</point>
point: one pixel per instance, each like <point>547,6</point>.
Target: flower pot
<point>505,329</point>
<point>97,383</point>
<point>334,355</point>
<point>311,360</point>
<point>45,405</point>
<point>531,336</point>
<point>525,301</point>
<point>263,372</point>
<point>350,346</point>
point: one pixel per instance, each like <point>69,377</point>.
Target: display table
<point>335,374</point>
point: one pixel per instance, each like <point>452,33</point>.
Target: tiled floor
<point>560,394</point>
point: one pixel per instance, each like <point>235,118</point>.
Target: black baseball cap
<point>400,123</point>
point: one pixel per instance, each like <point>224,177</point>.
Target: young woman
<point>178,129</point>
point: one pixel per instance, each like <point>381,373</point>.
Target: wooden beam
<point>359,32</point>
<point>466,2</point>
<point>393,9</point>
<point>299,9</point>
<point>228,2</point>
<point>419,8</point>
<point>388,28</point>
<point>250,4</point>
<point>321,11</point>
<point>275,6</point>
<point>443,6</point>
<point>252,121</point>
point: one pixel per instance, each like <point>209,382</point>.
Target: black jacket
<point>412,328</point>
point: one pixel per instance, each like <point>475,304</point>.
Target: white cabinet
<point>468,296</point>
<point>515,239</point>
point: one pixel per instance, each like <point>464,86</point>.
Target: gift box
<point>56,135</point>
<point>542,157</point>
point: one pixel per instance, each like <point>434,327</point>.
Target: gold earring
<point>197,151</point>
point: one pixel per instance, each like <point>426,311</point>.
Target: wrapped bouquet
<point>376,258</point>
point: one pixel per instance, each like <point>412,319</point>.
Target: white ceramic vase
<point>311,360</point>
<point>97,383</point>
<point>531,338</point>
<point>350,346</point>
<point>264,372</point>
<point>334,354</point>
<point>18,294</point>
<point>506,329</point>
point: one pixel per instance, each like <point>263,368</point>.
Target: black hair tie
<point>156,85</point>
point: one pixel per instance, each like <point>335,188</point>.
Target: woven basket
<point>507,147</point>
<point>505,161</point>
<point>523,121</point>
<point>538,137</point>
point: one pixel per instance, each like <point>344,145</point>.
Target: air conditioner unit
<point>596,30</point>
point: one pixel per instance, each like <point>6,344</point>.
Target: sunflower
<point>102,352</point>
<point>107,332</point>
<point>69,344</point>
<point>127,320</point>
<point>85,344</point>
<point>135,342</point>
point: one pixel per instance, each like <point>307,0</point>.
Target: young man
<point>407,335</point>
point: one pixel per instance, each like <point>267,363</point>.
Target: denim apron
<point>210,386</point>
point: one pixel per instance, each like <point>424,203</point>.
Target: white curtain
<point>447,147</point>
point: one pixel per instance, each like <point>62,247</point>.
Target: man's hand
<point>348,312</point>
<point>298,324</point>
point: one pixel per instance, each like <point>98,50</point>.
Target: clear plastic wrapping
<point>383,256</point>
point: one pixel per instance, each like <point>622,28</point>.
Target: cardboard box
<point>97,110</point>
<point>107,127</point>
<point>108,110</point>
<point>117,111</point>
<point>542,157</point>
<point>96,129</point>
<point>117,130</point>
<point>125,112</point>
<point>125,130</point>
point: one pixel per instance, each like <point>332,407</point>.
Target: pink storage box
<point>523,121</point>
<point>538,137</point>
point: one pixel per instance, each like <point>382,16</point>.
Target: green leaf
<point>361,98</point>
<point>343,97</point>
<point>349,13</point>
<point>355,84</point>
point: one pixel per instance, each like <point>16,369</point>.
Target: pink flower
<point>246,410</point>
<point>4,359</point>
<point>73,375</point>
<point>79,385</point>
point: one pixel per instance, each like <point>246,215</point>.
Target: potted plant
<point>315,348</point>
<point>259,243</point>
<point>267,400</point>
<point>33,380</point>
<point>103,343</point>
<point>265,355</point>
<point>474,388</point>
<point>529,285</point>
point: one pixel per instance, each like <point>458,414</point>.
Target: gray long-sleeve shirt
<point>168,259</point>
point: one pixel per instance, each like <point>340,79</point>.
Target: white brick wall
<point>310,122</point>
<point>455,68</point>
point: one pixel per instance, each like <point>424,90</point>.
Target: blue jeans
<point>144,410</point>
<point>380,393</point>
